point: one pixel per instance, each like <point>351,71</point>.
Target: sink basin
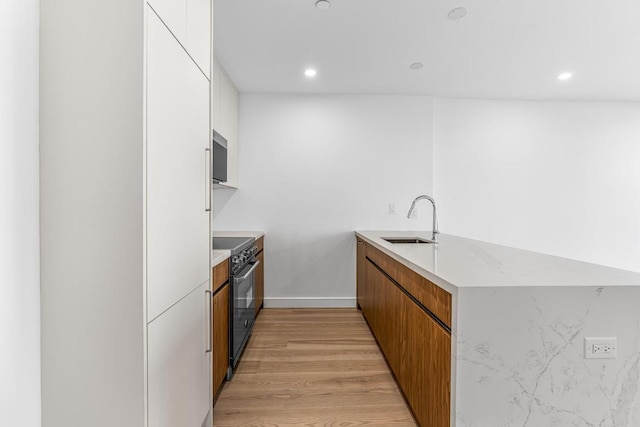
<point>409,240</point>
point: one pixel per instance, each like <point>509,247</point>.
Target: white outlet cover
<point>600,347</point>
<point>392,208</point>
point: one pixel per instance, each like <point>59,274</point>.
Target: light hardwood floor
<point>311,367</point>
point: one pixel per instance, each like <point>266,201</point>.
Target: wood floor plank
<point>313,368</point>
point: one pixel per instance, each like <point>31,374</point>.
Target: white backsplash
<point>520,357</point>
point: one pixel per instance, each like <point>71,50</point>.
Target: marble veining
<point>520,358</point>
<point>519,323</point>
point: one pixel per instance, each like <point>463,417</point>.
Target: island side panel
<point>520,357</point>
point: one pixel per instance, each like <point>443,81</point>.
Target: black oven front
<point>243,311</point>
<point>241,293</point>
<point>242,306</point>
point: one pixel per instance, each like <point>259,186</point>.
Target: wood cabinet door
<point>220,275</point>
<point>416,347</point>
<point>177,136</point>
<point>179,367</point>
<point>259,277</point>
<point>424,373</point>
<point>220,336</point>
<point>384,320</point>
<point>360,273</point>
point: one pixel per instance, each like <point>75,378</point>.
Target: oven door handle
<point>248,273</point>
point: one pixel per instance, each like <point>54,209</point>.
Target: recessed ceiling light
<point>323,4</point>
<point>416,65</point>
<point>310,72</point>
<point>564,76</point>
<point>457,13</point>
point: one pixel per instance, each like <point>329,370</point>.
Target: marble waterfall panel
<point>520,357</point>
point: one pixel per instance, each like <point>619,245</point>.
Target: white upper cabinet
<point>216,97</point>
<point>179,365</point>
<point>177,187</point>
<point>225,118</point>
<point>174,14</point>
<point>190,23</point>
<point>199,37</point>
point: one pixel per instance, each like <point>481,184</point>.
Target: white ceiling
<point>501,49</point>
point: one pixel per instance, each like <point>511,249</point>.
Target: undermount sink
<point>405,240</point>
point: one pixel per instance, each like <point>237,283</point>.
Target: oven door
<point>243,309</point>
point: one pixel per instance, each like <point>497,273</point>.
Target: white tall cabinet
<point>125,212</point>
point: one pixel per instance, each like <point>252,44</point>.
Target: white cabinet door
<point>225,101</point>
<point>174,14</point>
<point>199,32</point>
<point>216,96</point>
<point>178,364</point>
<point>177,135</point>
<point>230,119</point>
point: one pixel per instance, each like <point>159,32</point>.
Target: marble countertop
<point>456,262</point>
<point>255,234</point>
<point>219,255</point>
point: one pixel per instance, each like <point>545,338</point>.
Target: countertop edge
<point>474,264</point>
<point>218,256</point>
<point>256,234</point>
<point>449,287</point>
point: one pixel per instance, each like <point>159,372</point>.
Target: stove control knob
<point>234,260</point>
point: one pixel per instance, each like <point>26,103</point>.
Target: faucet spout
<point>435,217</point>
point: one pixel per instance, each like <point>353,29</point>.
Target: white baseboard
<point>342,302</point>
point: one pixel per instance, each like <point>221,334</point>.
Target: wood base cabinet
<point>416,344</point>
<point>220,337</point>
<point>360,276</point>
<point>219,325</point>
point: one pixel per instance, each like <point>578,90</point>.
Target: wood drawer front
<point>433,297</point>
<point>260,243</point>
<point>220,274</point>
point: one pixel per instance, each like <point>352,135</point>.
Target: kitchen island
<point>517,325</point>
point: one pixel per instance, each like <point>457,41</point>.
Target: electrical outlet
<point>392,208</point>
<point>601,348</point>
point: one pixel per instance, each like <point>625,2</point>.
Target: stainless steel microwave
<point>219,158</point>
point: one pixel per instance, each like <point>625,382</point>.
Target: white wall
<point>19,251</point>
<point>556,177</point>
<point>315,168</point>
